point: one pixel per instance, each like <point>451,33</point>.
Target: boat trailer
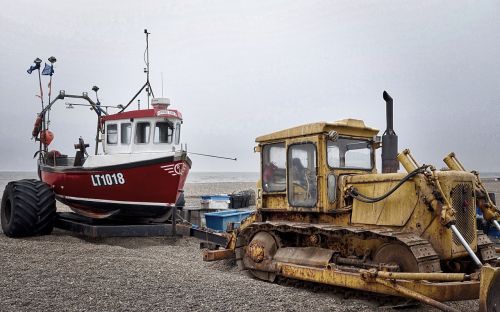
<point>94,228</point>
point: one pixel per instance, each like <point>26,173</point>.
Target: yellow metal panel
<point>446,291</point>
<point>344,127</point>
<point>395,210</point>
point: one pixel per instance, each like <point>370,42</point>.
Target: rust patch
<point>255,251</point>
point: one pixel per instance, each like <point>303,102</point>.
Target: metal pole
<point>147,53</point>
<point>466,246</point>
<point>174,221</point>
<point>130,102</point>
<point>42,146</point>
<point>438,277</point>
<point>40,83</point>
<point>147,61</point>
<point>50,91</point>
<point>52,60</point>
<point>415,295</point>
<point>495,223</point>
<point>97,134</point>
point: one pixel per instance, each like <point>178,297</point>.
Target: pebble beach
<point>66,272</point>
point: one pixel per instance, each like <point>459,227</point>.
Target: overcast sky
<point>239,69</point>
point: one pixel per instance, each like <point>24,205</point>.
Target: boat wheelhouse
<point>141,134</point>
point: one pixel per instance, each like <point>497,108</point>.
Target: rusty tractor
<point>325,215</point>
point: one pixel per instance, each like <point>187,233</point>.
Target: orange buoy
<point>46,137</point>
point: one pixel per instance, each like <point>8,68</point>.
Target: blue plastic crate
<point>220,201</point>
<point>218,220</point>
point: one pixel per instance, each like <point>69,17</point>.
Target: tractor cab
<point>300,166</point>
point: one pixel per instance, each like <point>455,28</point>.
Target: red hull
<point>142,189</point>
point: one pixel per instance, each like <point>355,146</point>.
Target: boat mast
<point>147,85</point>
<point>99,112</point>
<point>41,147</point>
<point>147,62</point>
<point>52,60</point>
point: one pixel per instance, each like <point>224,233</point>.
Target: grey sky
<point>239,69</point>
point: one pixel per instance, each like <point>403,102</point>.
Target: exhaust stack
<point>390,162</point>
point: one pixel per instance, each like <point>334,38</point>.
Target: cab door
<point>302,175</point>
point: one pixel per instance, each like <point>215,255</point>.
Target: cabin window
<point>112,134</point>
<point>164,132</point>
<point>177,133</point>
<point>142,130</point>
<point>126,133</point>
<point>349,154</point>
<point>302,182</point>
<point>274,168</point>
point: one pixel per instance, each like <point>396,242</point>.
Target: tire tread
<point>33,208</point>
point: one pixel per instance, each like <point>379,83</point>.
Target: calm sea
<point>194,177</point>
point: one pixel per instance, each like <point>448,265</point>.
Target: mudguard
<point>489,293</point>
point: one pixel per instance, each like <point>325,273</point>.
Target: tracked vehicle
<point>324,214</point>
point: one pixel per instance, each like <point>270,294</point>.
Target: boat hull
<point>143,189</point>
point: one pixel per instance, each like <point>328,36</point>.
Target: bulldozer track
<point>422,250</point>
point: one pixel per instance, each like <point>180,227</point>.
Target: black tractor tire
<point>28,209</point>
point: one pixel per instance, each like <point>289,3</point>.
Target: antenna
<point>161,84</point>
<point>147,63</point>
<point>147,54</point>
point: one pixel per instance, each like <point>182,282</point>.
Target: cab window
<point>164,132</point>
<point>350,154</point>
<point>112,134</point>
<point>142,130</point>
<point>177,133</point>
<point>302,181</point>
<point>125,133</point>
<point>273,168</point>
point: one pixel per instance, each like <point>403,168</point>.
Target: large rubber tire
<point>28,209</point>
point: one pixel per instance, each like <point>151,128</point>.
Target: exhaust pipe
<point>390,162</point>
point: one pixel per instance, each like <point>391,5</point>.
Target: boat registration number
<point>107,179</point>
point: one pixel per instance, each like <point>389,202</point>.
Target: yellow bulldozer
<point>325,215</point>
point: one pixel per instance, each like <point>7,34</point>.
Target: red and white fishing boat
<point>140,172</point>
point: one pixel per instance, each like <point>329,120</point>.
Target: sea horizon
<point>194,176</point>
